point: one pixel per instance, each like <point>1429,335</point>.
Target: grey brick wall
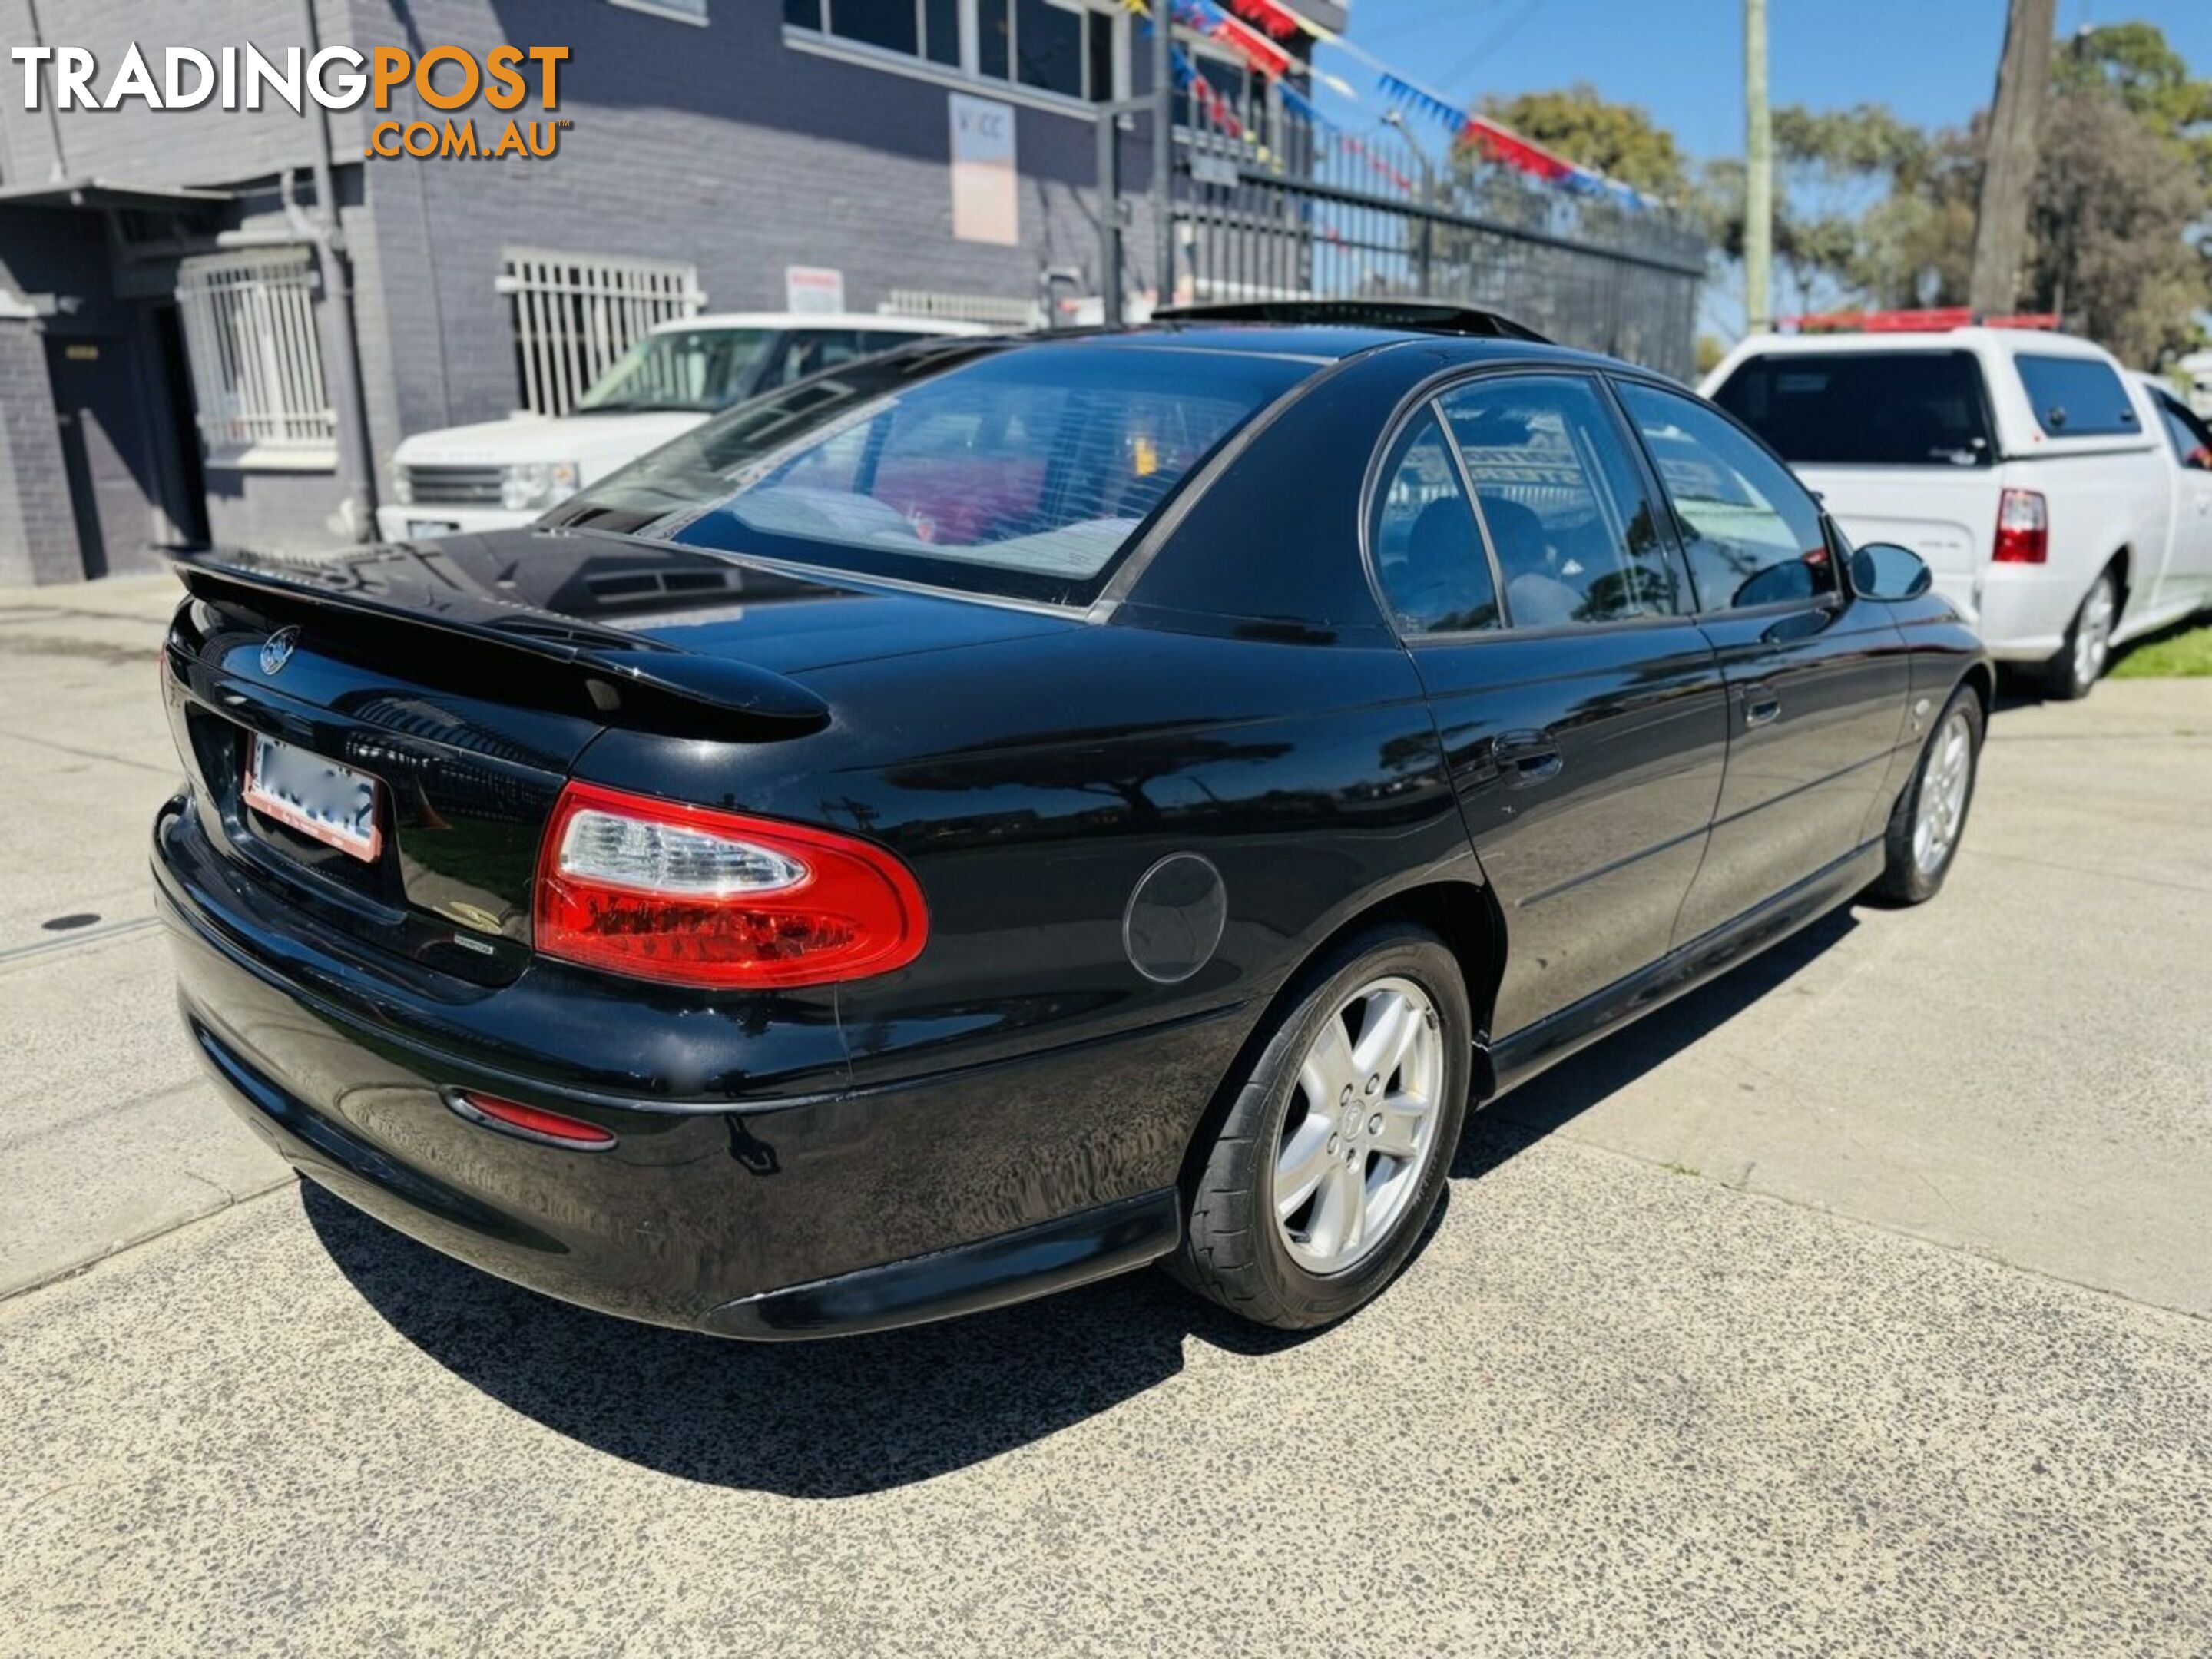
<point>38,535</point>
<point>719,145</point>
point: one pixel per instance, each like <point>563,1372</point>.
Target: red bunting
<point>1277,22</point>
<point>1502,144</point>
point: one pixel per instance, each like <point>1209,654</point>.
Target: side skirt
<point>1514,1059</point>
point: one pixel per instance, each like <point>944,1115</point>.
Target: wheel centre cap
<point>1350,1118</point>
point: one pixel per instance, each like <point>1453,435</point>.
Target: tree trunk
<point>2008,161</point>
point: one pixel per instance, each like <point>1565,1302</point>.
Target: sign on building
<point>813,288</point>
<point>985,196</point>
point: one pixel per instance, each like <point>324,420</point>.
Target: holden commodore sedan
<point>1007,812</point>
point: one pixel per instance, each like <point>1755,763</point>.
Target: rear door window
<point>2076,396</point>
<point>1752,534</point>
<point>1864,408</point>
<point>1562,501</point>
<point>1428,553</point>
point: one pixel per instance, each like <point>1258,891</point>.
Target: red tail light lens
<point>2023,528</point>
<point>691,895</point>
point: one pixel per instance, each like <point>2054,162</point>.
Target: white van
<point>495,475</point>
<point>2035,475</point>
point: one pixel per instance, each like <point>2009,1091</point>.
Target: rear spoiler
<point>656,683</point>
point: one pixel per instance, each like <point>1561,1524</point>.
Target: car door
<point>2189,566</point>
<point>1582,713</point>
<point>1817,680</point>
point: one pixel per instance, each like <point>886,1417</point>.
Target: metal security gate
<point>1269,203</point>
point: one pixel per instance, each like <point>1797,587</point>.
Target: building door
<point>107,453</point>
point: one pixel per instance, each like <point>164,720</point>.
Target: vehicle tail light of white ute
<point>693,896</point>
<point>2023,528</point>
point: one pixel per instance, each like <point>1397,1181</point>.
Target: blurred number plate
<point>334,803</point>
<point>430,527</point>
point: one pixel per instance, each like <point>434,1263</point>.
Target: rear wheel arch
<point>1465,914</point>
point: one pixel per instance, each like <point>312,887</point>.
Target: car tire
<point>1396,991</point>
<point>1920,846</point>
<point>2083,659</point>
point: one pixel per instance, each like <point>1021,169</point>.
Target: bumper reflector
<point>529,1122</point>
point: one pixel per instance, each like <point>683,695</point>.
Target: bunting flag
<point>1259,24</point>
<point>1499,143</point>
<point>1278,22</point>
<point>1203,17</point>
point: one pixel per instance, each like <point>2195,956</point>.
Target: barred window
<point>257,362</point>
<point>575,314</point>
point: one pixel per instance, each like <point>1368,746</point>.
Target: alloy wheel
<point>1945,785</point>
<point>1361,1127</point>
<point>2092,634</point>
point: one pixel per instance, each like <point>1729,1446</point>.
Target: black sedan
<point>1008,812</point>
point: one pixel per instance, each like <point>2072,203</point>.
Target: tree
<point>1833,165</point>
<point>1620,140</point>
<point>2134,62</point>
<point>2114,206</point>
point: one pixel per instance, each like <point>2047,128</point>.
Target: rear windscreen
<point>1865,407</point>
<point>1025,471</point>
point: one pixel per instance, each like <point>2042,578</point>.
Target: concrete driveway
<point>1861,1304</point>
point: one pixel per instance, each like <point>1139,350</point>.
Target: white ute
<point>2048,489</point>
<point>495,475</point>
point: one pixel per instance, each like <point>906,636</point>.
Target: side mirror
<point>1883,570</point>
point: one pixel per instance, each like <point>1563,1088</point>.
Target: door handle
<point>1761,706</point>
<point>1529,757</point>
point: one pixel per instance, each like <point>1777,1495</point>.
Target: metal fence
<point>1269,203</point>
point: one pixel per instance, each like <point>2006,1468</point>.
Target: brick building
<point>170,372</point>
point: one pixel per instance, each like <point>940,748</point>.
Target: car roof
<point>875,321</point>
<point>2040,341</point>
<point>1322,342</point>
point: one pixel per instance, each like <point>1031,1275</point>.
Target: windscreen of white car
<point>679,368</point>
<point>1864,408</point>
<point>1025,470</point>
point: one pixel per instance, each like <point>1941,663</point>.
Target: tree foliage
<point>1872,210</point>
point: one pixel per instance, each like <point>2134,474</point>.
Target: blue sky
<point>1932,61</point>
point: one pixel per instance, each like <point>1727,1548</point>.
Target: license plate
<point>431,527</point>
<point>334,803</point>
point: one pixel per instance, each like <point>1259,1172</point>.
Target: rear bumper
<point>809,1216</point>
<point>2022,611</point>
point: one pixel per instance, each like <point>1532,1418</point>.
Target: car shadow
<point>807,1419</point>
<point>864,1414</point>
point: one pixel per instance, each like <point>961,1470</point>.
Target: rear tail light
<point>2023,528</point>
<point>690,895</point>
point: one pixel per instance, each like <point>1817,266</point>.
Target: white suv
<point>495,475</point>
<point>2038,480</point>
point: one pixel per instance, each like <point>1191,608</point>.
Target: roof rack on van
<point>1429,316</point>
<point>1941,320</point>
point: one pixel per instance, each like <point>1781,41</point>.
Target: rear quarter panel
<point>1031,784</point>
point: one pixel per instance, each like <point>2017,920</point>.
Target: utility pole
<point>1162,13</point>
<point>1758,174</point>
<point>2008,162</point>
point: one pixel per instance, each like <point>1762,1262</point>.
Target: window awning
<point>98,194</point>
